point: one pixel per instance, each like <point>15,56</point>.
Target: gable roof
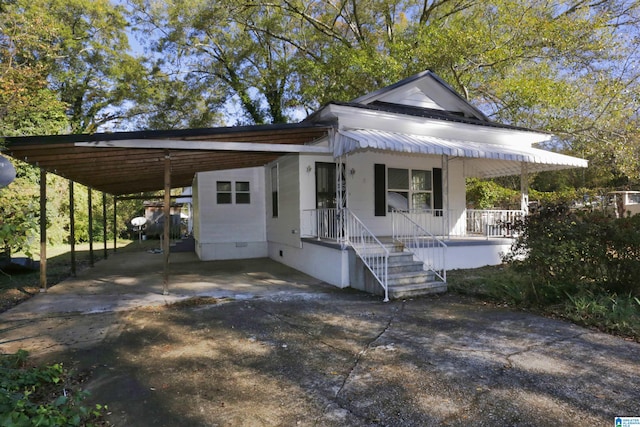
<point>423,90</point>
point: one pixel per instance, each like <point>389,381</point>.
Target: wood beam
<point>104,223</point>
<point>167,220</point>
<point>43,230</point>
<point>72,228</point>
<point>206,145</point>
<point>90,214</point>
<point>115,224</point>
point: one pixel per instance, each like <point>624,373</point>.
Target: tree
<point>227,52</point>
<point>27,104</point>
<point>568,67</point>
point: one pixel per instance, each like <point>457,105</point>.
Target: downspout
<point>445,193</point>
<point>524,189</point>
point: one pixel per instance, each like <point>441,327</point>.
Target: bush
<point>41,396</point>
<point>574,252</point>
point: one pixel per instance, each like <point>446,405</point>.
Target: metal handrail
<point>367,246</point>
<point>425,246</point>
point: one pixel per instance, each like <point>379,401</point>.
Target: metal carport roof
<point>131,162</point>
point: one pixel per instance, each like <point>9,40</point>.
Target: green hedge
<point>567,252</point>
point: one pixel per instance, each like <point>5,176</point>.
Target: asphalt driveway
<point>278,348</point>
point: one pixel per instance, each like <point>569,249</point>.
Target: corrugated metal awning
<point>481,159</point>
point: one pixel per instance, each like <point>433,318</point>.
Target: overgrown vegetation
<point>580,265</point>
<point>47,395</point>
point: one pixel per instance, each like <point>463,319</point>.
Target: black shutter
<point>437,190</point>
<point>380,189</point>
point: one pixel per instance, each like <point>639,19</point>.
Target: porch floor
<point>449,241</point>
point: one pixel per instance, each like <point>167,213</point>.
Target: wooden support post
<point>167,220</point>
<point>115,224</point>
<point>90,214</point>
<point>43,230</point>
<point>72,228</point>
<point>104,223</point>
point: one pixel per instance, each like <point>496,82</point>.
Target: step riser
<point>405,268</point>
<point>411,280</point>
<point>428,289</point>
<point>401,259</point>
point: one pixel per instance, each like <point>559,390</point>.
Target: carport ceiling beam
<point>166,144</point>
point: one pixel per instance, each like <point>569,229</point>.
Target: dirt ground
<point>306,354</point>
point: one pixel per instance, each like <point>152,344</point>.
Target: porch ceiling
<point>481,159</point>
<point>132,162</point>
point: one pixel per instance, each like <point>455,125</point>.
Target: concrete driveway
<point>278,348</point>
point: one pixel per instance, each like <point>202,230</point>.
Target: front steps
<point>407,277</point>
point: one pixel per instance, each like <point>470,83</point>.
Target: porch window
<point>223,196</point>
<point>243,193</point>
<point>408,189</point>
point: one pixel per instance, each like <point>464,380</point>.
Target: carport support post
<point>104,223</point>
<point>115,223</point>
<point>167,220</point>
<point>90,214</point>
<point>72,228</point>
<point>43,230</point>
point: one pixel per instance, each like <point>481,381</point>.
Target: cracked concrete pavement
<point>282,349</point>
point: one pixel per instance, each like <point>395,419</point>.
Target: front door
<point>326,196</point>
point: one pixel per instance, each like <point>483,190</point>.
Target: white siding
<point>285,228</point>
<point>360,185</point>
<point>227,231</point>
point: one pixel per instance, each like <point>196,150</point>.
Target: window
<point>243,193</point>
<point>408,189</point>
<point>274,191</point>
<point>634,198</point>
<point>223,189</point>
<point>225,192</point>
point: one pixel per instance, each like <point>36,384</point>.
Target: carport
<point>123,163</point>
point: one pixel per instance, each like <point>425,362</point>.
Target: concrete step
<point>401,258</point>
<point>414,266</point>
<point>410,277</point>
<point>416,289</point>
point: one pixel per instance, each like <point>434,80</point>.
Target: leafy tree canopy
<point>569,67</point>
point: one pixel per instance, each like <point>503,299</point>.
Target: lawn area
<point>16,287</point>
<point>503,285</point>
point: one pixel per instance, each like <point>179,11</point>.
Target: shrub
<point>572,252</point>
<point>41,396</point>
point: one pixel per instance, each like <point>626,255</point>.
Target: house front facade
<point>379,204</point>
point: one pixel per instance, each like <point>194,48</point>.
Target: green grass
<point>611,313</point>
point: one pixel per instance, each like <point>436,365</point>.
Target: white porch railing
<point>467,222</point>
<point>425,246</point>
<point>321,224</point>
<point>492,223</point>
<point>367,246</point>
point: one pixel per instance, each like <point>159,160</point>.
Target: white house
<point>380,204</point>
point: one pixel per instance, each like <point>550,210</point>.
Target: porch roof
<point>481,159</point>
